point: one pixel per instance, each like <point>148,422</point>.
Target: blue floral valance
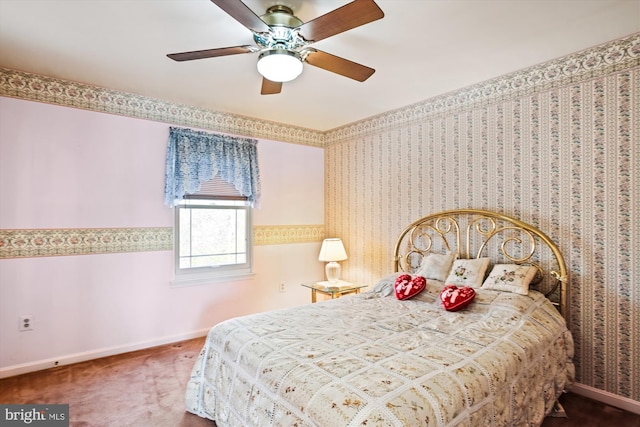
<point>194,157</point>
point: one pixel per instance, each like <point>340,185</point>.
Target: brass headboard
<point>473,233</point>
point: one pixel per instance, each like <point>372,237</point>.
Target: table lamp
<point>332,250</point>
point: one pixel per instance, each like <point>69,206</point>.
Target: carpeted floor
<point>137,389</point>
<point>146,389</point>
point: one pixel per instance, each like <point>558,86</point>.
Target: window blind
<point>217,188</point>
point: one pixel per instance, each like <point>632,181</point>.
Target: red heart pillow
<point>406,287</point>
<point>454,298</point>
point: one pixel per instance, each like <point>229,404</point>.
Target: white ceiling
<point>420,49</point>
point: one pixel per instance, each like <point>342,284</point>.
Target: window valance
<point>194,157</point>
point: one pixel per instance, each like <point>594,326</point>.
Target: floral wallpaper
<point>556,145</point>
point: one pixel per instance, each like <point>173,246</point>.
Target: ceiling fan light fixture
<point>279,65</point>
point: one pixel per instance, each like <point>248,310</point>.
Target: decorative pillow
<point>510,278</point>
<point>454,298</point>
<point>436,266</point>
<point>407,287</point>
<point>468,272</point>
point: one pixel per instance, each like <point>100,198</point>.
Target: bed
<point>373,359</point>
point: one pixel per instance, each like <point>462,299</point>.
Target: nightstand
<point>334,291</point>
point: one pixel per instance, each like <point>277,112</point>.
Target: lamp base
<point>332,270</point>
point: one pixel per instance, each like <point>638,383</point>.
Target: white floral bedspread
<point>371,360</point>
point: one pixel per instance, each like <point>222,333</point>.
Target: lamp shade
<point>332,250</point>
<point>279,65</point>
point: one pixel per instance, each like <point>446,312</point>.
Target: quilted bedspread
<point>372,360</point>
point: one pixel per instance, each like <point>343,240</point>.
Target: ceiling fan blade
<point>269,87</point>
<point>241,13</point>
<point>210,53</point>
<point>351,15</point>
<point>338,65</point>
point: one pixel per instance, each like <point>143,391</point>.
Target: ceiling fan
<point>283,41</point>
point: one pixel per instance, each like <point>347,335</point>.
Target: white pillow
<point>510,278</point>
<point>384,287</point>
<point>468,272</point>
<point>436,266</point>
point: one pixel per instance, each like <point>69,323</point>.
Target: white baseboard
<point>39,365</point>
<point>610,399</point>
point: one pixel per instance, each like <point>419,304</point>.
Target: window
<point>213,182</point>
<point>213,238</point>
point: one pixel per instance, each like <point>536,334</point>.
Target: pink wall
<point>67,168</point>
<point>72,168</point>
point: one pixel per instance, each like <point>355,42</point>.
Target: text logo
<point>34,415</point>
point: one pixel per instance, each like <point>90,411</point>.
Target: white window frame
<point>220,273</point>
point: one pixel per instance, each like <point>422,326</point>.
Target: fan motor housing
<point>281,16</point>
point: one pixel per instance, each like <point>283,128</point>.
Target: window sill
<point>207,279</point>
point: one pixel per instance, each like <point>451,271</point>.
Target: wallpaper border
<point>33,87</point>
<point>31,243</point>
<point>285,234</point>
<point>28,243</point>
<point>617,55</point>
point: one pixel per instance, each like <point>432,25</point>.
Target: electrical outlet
<point>282,287</point>
<point>26,323</point>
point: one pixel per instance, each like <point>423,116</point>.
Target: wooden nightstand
<point>334,291</point>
